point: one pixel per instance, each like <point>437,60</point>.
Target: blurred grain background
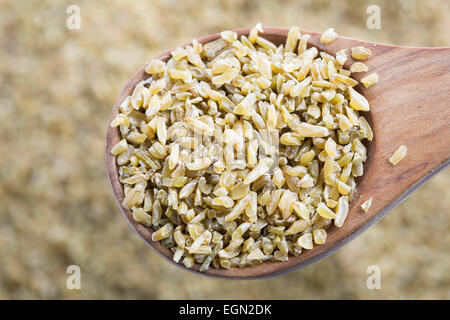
<point>57,87</point>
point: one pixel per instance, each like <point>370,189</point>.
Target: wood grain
<point>409,106</point>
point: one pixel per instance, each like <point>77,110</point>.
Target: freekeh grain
<point>239,151</point>
<point>398,155</point>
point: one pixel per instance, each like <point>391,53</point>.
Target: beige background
<point>57,87</point>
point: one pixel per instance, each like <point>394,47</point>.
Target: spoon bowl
<point>409,106</point>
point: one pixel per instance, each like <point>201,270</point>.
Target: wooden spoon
<point>409,106</point>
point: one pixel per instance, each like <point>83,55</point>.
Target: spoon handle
<point>410,105</point>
